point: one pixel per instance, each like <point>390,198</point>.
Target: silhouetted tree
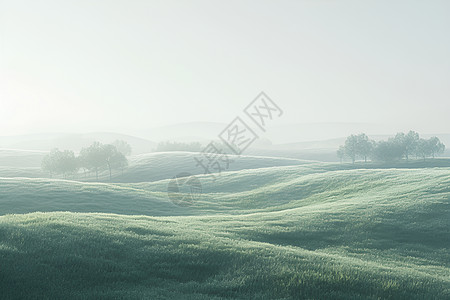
<point>60,162</point>
<point>119,161</point>
<point>408,142</point>
<point>123,147</point>
<point>402,145</point>
<point>93,157</point>
<point>49,162</point>
<point>68,163</point>
<point>356,146</point>
<point>351,147</point>
<point>364,146</point>
<point>109,154</point>
<point>99,156</point>
<point>388,151</point>
<point>435,146</point>
<point>423,149</point>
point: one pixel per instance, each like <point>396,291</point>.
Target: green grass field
<point>269,229</point>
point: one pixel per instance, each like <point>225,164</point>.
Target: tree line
<point>94,158</point>
<point>401,146</point>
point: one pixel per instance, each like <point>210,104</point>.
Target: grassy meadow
<point>269,228</point>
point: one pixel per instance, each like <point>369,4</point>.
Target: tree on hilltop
<point>100,156</point>
<point>400,146</point>
<point>92,157</point>
<point>356,146</point>
<point>408,142</point>
<point>122,147</point>
<point>436,146</point>
<point>60,162</point>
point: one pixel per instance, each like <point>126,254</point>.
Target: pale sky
<point>82,66</point>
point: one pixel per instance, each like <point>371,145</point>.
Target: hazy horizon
<point>125,67</point>
<point>204,132</point>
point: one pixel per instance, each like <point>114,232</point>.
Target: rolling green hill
<point>142,168</point>
<point>236,192</point>
<point>165,165</point>
<point>157,166</point>
<point>308,231</point>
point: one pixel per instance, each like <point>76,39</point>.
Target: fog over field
<point>224,149</point>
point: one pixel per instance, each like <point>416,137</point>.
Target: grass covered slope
<point>90,256</point>
<point>239,192</point>
<point>269,233</point>
<point>24,195</point>
<point>142,168</point>
<point>166,165</point>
